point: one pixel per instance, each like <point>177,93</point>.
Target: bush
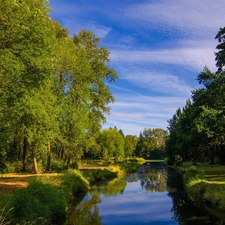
<point>56,165</point>
<point>178,160</point>
<point>40,201</point>
<point>193,173</point>
<point>13,167</point>
<point>74,184</point>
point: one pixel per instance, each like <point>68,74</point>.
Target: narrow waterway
<point>153,195</point>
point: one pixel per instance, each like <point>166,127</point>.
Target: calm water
<point>153,196</point>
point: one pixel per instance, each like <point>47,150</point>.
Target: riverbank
<point>205,184</point>
<point>45,198</point>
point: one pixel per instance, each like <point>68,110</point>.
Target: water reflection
<point>111,188</point>
<point>183,208</point>
<point>153,177</point>
<point>86,212</point>
<point>139,198</point>
<point>153,195</point>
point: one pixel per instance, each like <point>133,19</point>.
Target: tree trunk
<point>36,171</point>
<point>48,157</point>
<point>24,153</point>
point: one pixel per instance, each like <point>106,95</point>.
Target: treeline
<point>54,94</point>
<point>113,144</point>
<point>197,132</point>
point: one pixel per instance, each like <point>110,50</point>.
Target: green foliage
<point>130,145</point>
<point>97,175</point>
<point>220,55</point>
<point>53,90</point>
<point>14,167</point>
<point>6,202</point>
<point>178,160</point>
<point>111,142</point>
<point>151,140</point>
<point>193,173</point>
<point>40,201</point>
<point>197,131</point>
<point>74,185</point>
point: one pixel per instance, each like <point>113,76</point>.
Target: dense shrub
<point>41,202</point>
<point>74,184</point>
<point>193,173</point>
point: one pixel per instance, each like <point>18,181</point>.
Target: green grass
<point>207,190</point>
<point>214,173</point>
<point>154,160</point>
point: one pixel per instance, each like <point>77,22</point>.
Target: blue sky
<point>158,47</point>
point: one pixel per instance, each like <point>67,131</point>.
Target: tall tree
<point>26,46</point>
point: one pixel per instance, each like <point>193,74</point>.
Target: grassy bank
<point>44,199</point>
<point>205,184</point>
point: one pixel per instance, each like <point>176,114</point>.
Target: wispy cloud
<point>161,83</point>
<point>132,112</point>
<point>185,14</point>
<point>193,57</point>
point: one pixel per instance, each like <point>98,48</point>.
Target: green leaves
<point>197,131</point>
<point>53,88</point>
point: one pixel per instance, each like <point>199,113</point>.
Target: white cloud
<point>185,14</point>
<point>161,83</point>
<point>132,113</point>
<point>99,30</point>
<point>192,57</point>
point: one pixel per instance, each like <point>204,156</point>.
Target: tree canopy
<point>197,131</point>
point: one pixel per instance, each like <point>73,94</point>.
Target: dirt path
<point>9,182</point>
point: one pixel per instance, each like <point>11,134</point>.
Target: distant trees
<point>197,131</point>
<point>151,143</point>
<point>113,144</point>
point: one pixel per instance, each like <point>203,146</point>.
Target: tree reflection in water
<point>184,209</point>
<point>153,177</point>
<point>112,188</point>
<point>86,212</point>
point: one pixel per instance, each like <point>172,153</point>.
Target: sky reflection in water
<point>137,205</point>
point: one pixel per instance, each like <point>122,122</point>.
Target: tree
<point>26,47</point>
<point>100,73</point>
<point>197,131</point>
<point>130,145</point>
<point>112,144</point>
<point>149,141</point>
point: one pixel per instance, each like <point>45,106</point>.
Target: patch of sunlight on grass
<point>194,182</point>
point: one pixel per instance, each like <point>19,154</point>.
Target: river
<point>153,195</point>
